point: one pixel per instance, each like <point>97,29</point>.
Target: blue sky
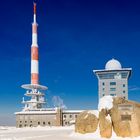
<point>75,37</point>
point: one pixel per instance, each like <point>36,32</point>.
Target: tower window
<point>43,123</point>
<point>113,94</point>
<point>70,116</point>
<point>124,75</point>
<point>112,89</point>
<point>103,83</point>
<point>112,83</point>
<point>64,116</point>
<point>38,123</point>
<point>124,91</point>
<point>123,85</point>
<point>20,125</point>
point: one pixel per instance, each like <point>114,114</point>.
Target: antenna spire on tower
<point>34,8</point>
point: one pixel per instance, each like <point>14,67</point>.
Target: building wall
<point>59,118</point>
<point>69,118</point>
<point>106,88</point>
<point>33,120</point>
<point>119,89</point>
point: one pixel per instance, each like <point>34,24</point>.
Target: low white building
<point>48,117</point>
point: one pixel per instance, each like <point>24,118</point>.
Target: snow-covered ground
<point>50,133</point>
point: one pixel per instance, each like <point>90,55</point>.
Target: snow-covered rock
<point>95,112</point>
<point>105,102</point>
<point>105,124</point>
<point>125,116</point>
<point>86,122</point>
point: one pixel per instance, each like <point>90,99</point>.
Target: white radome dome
<point>113,64</point>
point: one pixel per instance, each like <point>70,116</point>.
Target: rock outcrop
<point>125,117</point>
<point>86,122</point>
<point>105,124</point>
<point>117,113</point>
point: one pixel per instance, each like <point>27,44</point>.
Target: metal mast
<point>37,100</point>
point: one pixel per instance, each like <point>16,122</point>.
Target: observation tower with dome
<point>113,80</point>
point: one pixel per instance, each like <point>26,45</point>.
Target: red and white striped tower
<point>34,51</point>
<point>34,90</point>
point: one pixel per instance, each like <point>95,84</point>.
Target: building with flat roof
<point>47,117</point>
<point>113,80</point>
